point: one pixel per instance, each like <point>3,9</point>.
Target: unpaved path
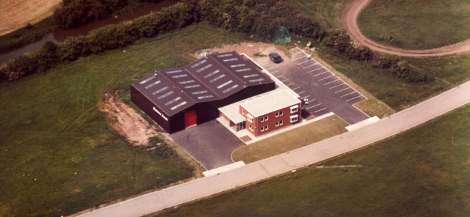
<point>349,22</point>
<point>15,14</point>
<point>126,121</point>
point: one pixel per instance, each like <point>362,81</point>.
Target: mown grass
<point>290,140</point>
<point>416,24</point>
<point>326,12</point>
<point>421,172</point>
<point>374,108</point>
<point>59,156</point>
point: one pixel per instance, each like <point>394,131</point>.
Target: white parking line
<point>327,77</point>
<point>337,85</point>
<point>279,76</point>
<point>300,91</point>
<point>314,106</point>
<point>274,72</point>
<point>296,52</point>
<point>332,81</point>
<point>303,62</point>
<point>353,98</point>
<point>305,96</point>
<point>348,94</point>
<point>298,58</point>
<point>296,88</point>
<point>284,80</point>
<point>269,68</point>
<point>342,89</point>
<point>316,69</point>
<point>319,110</point>
<point>310,66</point>
<point>289,84</point>
<point>320,73</point>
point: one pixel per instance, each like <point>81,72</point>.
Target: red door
<point>190,119</point>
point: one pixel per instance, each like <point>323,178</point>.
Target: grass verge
<point>374,108</point>
<point>57,153</point>
<point>290,140</point>
<point>398,23</point>
<point>421,172</point>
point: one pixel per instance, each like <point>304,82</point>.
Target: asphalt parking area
<point>326,92</point>
<point>210,143</point>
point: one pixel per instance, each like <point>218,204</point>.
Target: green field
<point>57,153</point>
<point>290,140</point>
<point>416,24</point>
<point>421,172</point>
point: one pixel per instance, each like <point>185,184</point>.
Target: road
<point>286,162</point>
<point>349,22</point>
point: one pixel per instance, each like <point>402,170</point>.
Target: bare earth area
<point>127,122</point>
<point>15,14</point>
<point>247,48</point>
<point>349,22</point>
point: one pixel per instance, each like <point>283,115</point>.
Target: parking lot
<point>325,91</point>
<point>210,143</point>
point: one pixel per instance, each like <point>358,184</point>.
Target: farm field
<point>16,14</point>
<point>58,153</point>
<point>399,23</point>
<point>421,172</point>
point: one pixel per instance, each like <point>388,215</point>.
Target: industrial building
<point>182,97</point>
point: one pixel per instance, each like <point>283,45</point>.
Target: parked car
<point>275,57</point>
<point>305,101</point>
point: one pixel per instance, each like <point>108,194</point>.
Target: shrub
<point>403,69</point>
<point>281,36</point>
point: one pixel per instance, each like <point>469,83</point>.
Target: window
<point>294,118</point>
<point>249,117</point>
<point>266,118</point>
<point>243,111</point>
<point>280,113</point>
<point>294,109</point>
<point>262,129</point>
<point>277,114</point>
<point>266,127</point>
<point>277,123</point>
<point>262,119</point>
<point>251,128</point>
<point>280,122</point>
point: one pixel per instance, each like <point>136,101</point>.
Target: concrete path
<point>282,163</point>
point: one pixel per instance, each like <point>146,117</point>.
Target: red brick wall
<point>272,119</point>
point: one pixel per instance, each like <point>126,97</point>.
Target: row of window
<point>278,123</point>
<point>264,128</point>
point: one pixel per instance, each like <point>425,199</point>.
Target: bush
<point>403,69</point>
<point>281,36</point>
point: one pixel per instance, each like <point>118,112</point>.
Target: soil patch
<point>126,121</point>
<point>247,48</point>
<point>15,14</point>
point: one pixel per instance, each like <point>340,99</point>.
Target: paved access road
<point>210,143</point>
<point>282,163</point>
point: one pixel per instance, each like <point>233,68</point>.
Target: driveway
<point>326,92</point>
<point>210,143</point>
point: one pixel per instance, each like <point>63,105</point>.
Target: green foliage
<point>281,36</point>
<point>249,16</point>
<point>339,40</point>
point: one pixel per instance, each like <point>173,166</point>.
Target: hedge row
<point>341,43</point>
<point>78,12</point>
<point>260,17</point>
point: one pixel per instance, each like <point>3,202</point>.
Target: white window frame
<point>249,118</point>
<point>280,122</point>
<point>262,119</point>
<point>277,114</point>
<point>266,118</point>
<point>277,123</point>
<point>281,113</point>
<point>243,111</point>
<point>294,118</point>
<point>262,129</point>
<point>251,128</point>
<point>266,127</point>
<point>294,109</point>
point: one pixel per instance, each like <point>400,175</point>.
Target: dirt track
<point>349,22</point>
<point>15,14</point>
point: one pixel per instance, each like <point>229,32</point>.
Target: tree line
<point>253,17</point>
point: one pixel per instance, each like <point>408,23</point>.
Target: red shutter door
<point>190,119</point>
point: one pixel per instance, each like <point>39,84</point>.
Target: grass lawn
<point>421,172</point>
<point>416,24</point>
<point>58,155</point>
<point>290,140</point>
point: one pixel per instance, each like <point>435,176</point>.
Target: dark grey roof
<point>211,78</point>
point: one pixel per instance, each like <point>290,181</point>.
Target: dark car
<point>275,57</point>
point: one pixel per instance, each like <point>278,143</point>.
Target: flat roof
<point>211,78</point>
<point>273,101</point>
